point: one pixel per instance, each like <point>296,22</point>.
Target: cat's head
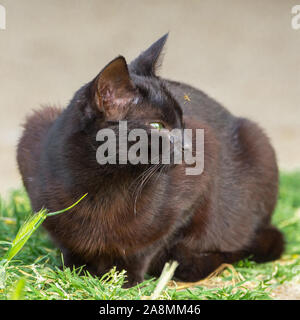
<point>132,93</point>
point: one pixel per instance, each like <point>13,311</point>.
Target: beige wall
<point>243,53</point>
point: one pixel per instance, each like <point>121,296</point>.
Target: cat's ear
<point>113,89</point>
<point>148,61</point>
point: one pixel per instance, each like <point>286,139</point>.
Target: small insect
<point>186,98</point>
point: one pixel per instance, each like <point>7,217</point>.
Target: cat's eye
<point>157,125</point>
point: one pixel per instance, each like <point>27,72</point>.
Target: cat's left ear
<point>148,61</point>
<point>113,89</point>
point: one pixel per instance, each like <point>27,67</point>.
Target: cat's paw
<point>132,281</point>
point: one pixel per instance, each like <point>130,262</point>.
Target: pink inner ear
<point>113,100</point>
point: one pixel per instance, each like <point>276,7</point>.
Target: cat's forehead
<point>155,101</point>
<point>152,90</point>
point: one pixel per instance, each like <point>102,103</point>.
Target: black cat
<point>202,221</point>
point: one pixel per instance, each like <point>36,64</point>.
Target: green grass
<point>35,272</point>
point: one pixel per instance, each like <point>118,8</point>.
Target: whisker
<point>143,183</point>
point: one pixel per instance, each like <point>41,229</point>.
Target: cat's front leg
<point>135,265</point>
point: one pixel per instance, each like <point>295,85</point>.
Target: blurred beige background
<point>243,53</point>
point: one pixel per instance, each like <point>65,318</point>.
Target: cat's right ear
<point>148,61</point>
<point>112,89</point>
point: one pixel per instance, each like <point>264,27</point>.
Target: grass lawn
<point>35,274</point>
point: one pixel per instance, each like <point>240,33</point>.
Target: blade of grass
<point>28,228</point>
<point>66,209</point>
<point>18,292</point>
<point>24,233</point>
<point>166,275</point>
